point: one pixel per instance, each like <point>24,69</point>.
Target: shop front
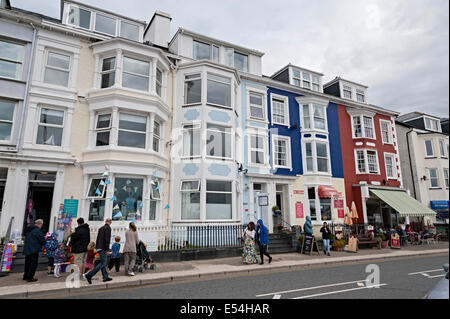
<point>393,207</point>
<point>441,208</point>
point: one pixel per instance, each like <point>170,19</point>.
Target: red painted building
<point>369,152</point>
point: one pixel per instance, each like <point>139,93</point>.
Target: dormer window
<point>236,59</point>
<point>110,25</point>
<point>360,96</point>
<point>347,92</point>
<point>205,51</point>
<point>306,80</point>
<point>80,17</point>
<point>431,124</point>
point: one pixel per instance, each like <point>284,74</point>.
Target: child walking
<point>115,256</point>
<point>51,245</point>
<point>59,259</point>
<point>90,257</point>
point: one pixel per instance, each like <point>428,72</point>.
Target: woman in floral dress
<point>249,256</point>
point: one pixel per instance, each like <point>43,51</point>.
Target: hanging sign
<point>299,192</point>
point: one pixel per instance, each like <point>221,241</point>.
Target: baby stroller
<point>143,259</point>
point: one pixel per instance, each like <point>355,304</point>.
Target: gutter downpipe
<point>27,89</point>
<point>410,162</point>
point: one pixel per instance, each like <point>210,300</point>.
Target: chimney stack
<point>158,30</point>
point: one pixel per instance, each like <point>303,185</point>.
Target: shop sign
<point>339,203</point>
<point>71,207</point>
<point>341,213</point>
<point>299,210</point>
<point>299,192</point>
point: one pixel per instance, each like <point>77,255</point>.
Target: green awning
<point>404,204</point>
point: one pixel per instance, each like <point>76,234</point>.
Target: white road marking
<point>360,284</point>
<point>436,276</point>
<point>312,288</point>
<point>339,291</point>
<point>425,271</point>
<point>276,297</point>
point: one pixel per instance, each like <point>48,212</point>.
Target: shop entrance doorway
<point>40,199</point>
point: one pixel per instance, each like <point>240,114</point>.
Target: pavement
<point>13,286</point>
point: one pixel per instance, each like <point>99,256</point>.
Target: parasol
<point>354,211</point>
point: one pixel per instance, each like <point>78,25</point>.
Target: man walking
<point>263,238</point>
<point>34,241</point>
<point>102,247</point>
<point>79,240</point>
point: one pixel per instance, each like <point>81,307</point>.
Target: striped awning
<point>404,204</point>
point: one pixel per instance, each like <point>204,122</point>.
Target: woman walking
<point>326,238</point>
<point>263,238</point>
<point>129,250</point>
<point>249,256</point>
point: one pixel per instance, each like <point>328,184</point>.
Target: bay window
<point>158,81</point>
<point>50,129</point>
<point>103,129</point>
<point>219,90</point>
<point>316,156</point>
<point>256,106</point>
<point>191,140</point>
<point>218,200</point>
<point>442,148</point>
<point>156,136</point>
<point>314,116</point>
<point>128,195</point>
<point>190,200</point>
<point>257,149</point>
<point>192,89</point>
<point>135,74</point>
<point>11,59</point>
<point>97,199</point>
<point>57,69</point>
<point>7,109</point>
<point>446,177</point>
<point>132,130</point>
<point>218,141</point>
<point>108,72</point>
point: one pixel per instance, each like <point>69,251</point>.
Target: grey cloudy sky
<point>399,48</point>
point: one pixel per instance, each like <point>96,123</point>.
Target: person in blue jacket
<point>307,227</point>
<point>263,241</point>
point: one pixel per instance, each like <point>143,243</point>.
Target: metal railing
<point>172,238</point>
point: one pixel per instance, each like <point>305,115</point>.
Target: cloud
<point>398,48</point>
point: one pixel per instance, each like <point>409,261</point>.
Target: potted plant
<point>338,245</point>
<point>276,211</point>
<point>384,242</point>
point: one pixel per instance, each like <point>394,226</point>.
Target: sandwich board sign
<point>309,245</point>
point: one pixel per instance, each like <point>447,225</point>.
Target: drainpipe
<point>410,162</point>
<point>27,90</point>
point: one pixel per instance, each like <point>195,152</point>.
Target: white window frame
<point>50,125</point>
<point>21,62</point>
<point>102,72</point>
<point>103,129</point>
<point>263,106</point>
<point>91,179</point>
<point>394,165</point>
<point>77,26</point>
<point>196,126</point>
<point>259,150</point>
<point>159,83</point>
<point>222,82</point>
<point>362,93</point>
<point>129,56</point>
<point>132,131</point>
<point>285,100</point>
<point>58,52</point>
<point>437,177</point>
<point>94,24</point>
<point>190,190</point>
<point>313,141</point>
<point>363,127</point>
<point>389,132</point>
<point>198,77</point>
<point>432,148</point>
<point>446,177</point>
<point>311,117</point>
<point>442,148</point>
<point>152,195</point>
<point>10,122</point>
<point>287,139</point>
<point>218,192</point>
<point>347,88</point>
<point>226,133</point>
<point>430,128</point>
<point>366,162</point>
<point>197,190</point>
<point>157,137</point>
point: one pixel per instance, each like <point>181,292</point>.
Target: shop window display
<point>127,204</point>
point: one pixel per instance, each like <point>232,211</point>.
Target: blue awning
<point>439,204</point>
